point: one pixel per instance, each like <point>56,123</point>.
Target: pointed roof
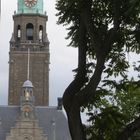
<point>27,84</point>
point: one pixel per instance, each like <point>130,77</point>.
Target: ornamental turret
<point>27,101</point>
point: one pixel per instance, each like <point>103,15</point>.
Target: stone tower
<point>29,32</point>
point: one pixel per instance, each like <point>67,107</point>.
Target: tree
<point>103,31</point>
<point>113,111</point>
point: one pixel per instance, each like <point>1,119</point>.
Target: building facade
<point>28,116</point>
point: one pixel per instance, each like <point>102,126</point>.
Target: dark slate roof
<point>52,121</point>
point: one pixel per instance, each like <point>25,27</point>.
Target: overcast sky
<point>63,59</point>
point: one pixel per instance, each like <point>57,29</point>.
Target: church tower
<point>29,33</point>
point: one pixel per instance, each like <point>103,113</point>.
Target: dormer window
<point>29,31</point>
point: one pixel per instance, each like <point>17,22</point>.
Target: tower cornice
<point>30,14</point>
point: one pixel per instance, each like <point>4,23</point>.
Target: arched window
<point>18,32</point>
<point>29,31</point>
<point>40,33</point>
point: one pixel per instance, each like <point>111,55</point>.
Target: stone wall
<point>39,75</point>
<point>26,130</point>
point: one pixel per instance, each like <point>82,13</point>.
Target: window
<point>40,33</point>
<point>29,31</point>
<point>18,32</point>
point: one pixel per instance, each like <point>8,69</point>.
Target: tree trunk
<point>75,123</point>
<point>70,102</point>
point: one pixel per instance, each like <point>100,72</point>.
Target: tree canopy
<point>106,33</point>
<point>111,112</point>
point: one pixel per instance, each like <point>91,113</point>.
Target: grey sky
<point>63,59</point>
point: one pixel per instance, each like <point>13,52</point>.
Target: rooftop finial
<point>28,67</point>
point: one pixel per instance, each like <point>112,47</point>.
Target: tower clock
<point>30,3</point>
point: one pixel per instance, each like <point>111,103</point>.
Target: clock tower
<point>29,33</point>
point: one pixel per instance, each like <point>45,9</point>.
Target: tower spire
<point>28,66</point>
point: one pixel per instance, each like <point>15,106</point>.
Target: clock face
<point>30,3</point>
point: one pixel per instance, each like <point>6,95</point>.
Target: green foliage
<point>103,15</point>
<point>128,100</point>
<point>106,124</point>
<point>113,111</point>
